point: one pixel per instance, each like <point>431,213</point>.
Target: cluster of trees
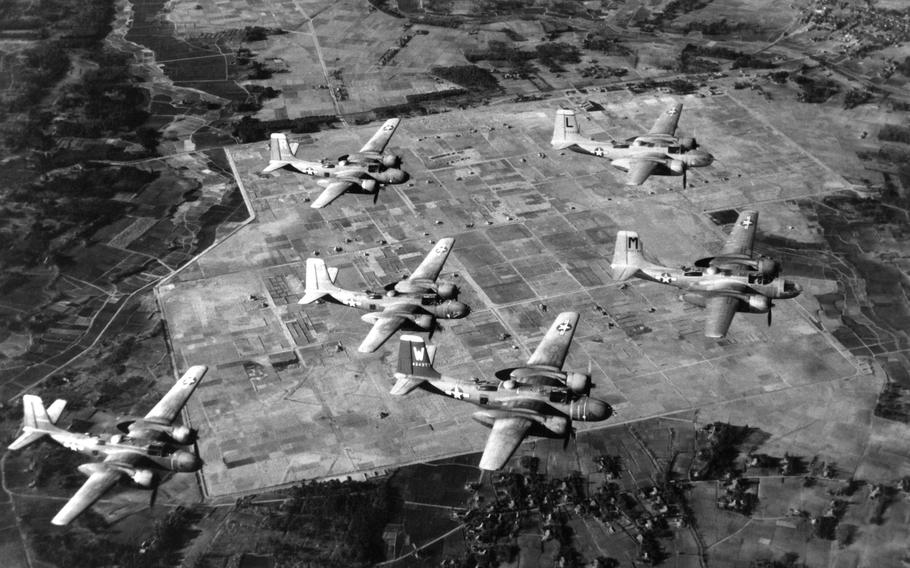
<point>470,77</point>
<point>894,133</point>
<point>77,203</point>
<point>718,455</point>
<point>78,547</point>
<point>689,62</point>
<point>335,523</point>
<point>671,11</point>
<point>815,90</point>
<point>552,54</point>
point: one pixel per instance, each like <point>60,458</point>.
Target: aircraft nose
<point>707,159</point>
<point>403,176</point>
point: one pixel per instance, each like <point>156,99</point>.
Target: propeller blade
<point>570,435</point>
<point>376,195</point>
<point>154,496</point>
<point>685,170</point>
<point>769,315</point>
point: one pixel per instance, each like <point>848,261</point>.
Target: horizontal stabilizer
<point>404,385</point>
<point>36,420</point>
<point>277,165</point>
<point>25,439</point>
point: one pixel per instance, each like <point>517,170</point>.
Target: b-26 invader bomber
<point>539,398</point>
<point>734,281</point>
<point>659,151</point>
<point>369,169</point>
<point>151,442</point>
<point>418,299</point>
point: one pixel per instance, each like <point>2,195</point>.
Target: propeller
<point>154,496</point>
<point>376,194</point>
<point>570,435</point>
<point>685,170</point>
<point>770,307</point>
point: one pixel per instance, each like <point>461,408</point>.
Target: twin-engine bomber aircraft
<point>368,169</point>
<point>418,299</point>
<point>659,151</point>
<point>149,442</point>
<point>732,282</point>
<point>538,399</point>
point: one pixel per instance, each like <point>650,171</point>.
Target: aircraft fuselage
<point>155,454</point>
<point>668,153</point>
<point>428,303</point>
<point>547,402</point>
<point>359,169</point>
<point>713,281</point>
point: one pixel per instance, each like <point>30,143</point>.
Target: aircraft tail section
<point>628,256</point>
<point>280,152</point>
<point>320,281</point>
<point>565,129</point>
<point>36,420</point>
<point>415,364</point>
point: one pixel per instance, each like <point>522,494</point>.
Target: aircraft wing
<point>555,344</point>
<point>505,437</point>
<point>721,310</point>
<point>741,238</point>
<point>379,140</point>
<point>386,325</point>
<point>97,484</point>
<point>639,170</point>
<point>431,266</point>
<point>666,122</point>
<point>333,191</point>
<point>170,405</point>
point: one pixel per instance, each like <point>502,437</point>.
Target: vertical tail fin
<point>280,152</point>
<point>565,129</point>
<point>415,364</point>
<point>36,420</point>
<point>320,281</point>
<point>628,256</point>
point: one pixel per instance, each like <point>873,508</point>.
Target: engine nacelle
<point>676,166</point>
<point>143,477</point>
<point>139,428</point>
<point>558,425</point>
<point>687,143</point>
<point>181,434</point>
<point>768,266</point>
<point>423,321</point>
<point>446,290</point>
<point>578,383</point>
<point>589,409</point>
<point>695,299</point>
<point>411,287</point>
<point>390,160</point>
<point>368,184</point>
<point>756,304</point>
<point>451,309</point>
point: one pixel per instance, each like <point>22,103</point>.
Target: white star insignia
<point>563,327</point>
